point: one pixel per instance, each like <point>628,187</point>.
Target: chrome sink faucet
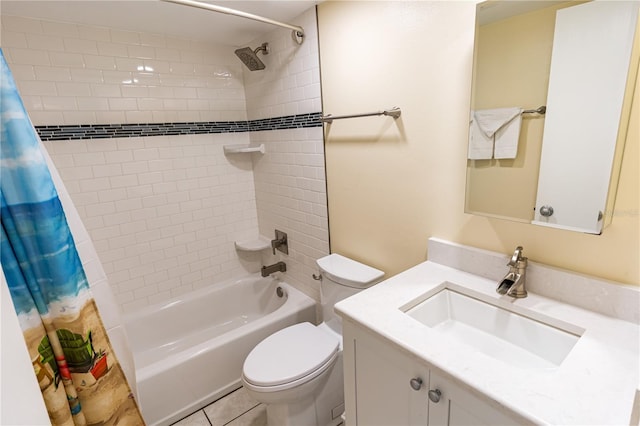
<point>513,283</point>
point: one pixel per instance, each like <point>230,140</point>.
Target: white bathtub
<point>189,351</point>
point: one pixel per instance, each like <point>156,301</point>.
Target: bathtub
<point>189,351</point>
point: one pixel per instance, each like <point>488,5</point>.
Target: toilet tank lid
<point>348,272</point>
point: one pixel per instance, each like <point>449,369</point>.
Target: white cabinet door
<point>384,392</point>
<point>379,390</point>
<point>455,406</point>
<point>591,55</point>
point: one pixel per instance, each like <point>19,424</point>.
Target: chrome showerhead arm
<point>264,47</point>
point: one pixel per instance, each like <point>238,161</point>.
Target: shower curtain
<point>75,366</point>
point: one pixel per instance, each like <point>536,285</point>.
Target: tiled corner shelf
<point>243,148</point>
<point>257,244</point>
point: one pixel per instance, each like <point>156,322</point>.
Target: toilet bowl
<point>297,371</point>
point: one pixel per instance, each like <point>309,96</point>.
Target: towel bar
<point>393,112</point>
<point>540,110</point>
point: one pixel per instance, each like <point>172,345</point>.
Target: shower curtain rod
<point>298,32</point>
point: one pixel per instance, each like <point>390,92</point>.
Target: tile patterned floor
<point>235,409</point>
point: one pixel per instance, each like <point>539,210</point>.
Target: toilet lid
<point>289,354</point>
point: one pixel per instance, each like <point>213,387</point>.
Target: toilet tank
<point>342,277</point>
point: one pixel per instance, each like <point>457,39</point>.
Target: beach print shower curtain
<point>78,373</point>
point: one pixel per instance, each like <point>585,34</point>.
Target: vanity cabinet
<point>451,405</point>
<point>385,385</point>
<point>381,391</point>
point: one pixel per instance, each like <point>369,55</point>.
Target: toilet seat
<point>290,357</point>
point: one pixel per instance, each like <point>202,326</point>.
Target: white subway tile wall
<point>76,74</point>
<point>290,83</point>
<point>164,211</point>
<point>290,176</point>
<point>291,196</point>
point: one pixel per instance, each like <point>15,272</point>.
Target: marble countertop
<point>594,385</point>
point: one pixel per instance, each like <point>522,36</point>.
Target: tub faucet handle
<point>281,243</point>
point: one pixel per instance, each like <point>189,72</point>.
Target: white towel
<point>503,126</point>
<point>480,145</point>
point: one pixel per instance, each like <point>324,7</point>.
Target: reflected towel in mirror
<point>480,145</point>
<point>496,128</point>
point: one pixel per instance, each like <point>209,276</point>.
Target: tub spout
<point>276,267</point>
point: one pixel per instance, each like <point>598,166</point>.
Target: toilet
<point>297,371</point>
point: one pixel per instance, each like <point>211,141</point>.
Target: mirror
<point>557,165</point>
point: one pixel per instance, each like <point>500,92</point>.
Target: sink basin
<point>494,331</point>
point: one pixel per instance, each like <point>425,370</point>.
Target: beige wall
<point>391,185</point>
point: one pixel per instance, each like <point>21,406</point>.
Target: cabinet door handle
<point>434,395</point>
<point>546,211</point>
<point>416,383</point>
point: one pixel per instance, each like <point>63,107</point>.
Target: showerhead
<point>250,57</point>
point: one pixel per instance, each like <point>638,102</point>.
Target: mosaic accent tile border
<point>102,131</point>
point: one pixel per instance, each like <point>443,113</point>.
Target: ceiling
<point>492,11</point>
<point>155,16</point>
